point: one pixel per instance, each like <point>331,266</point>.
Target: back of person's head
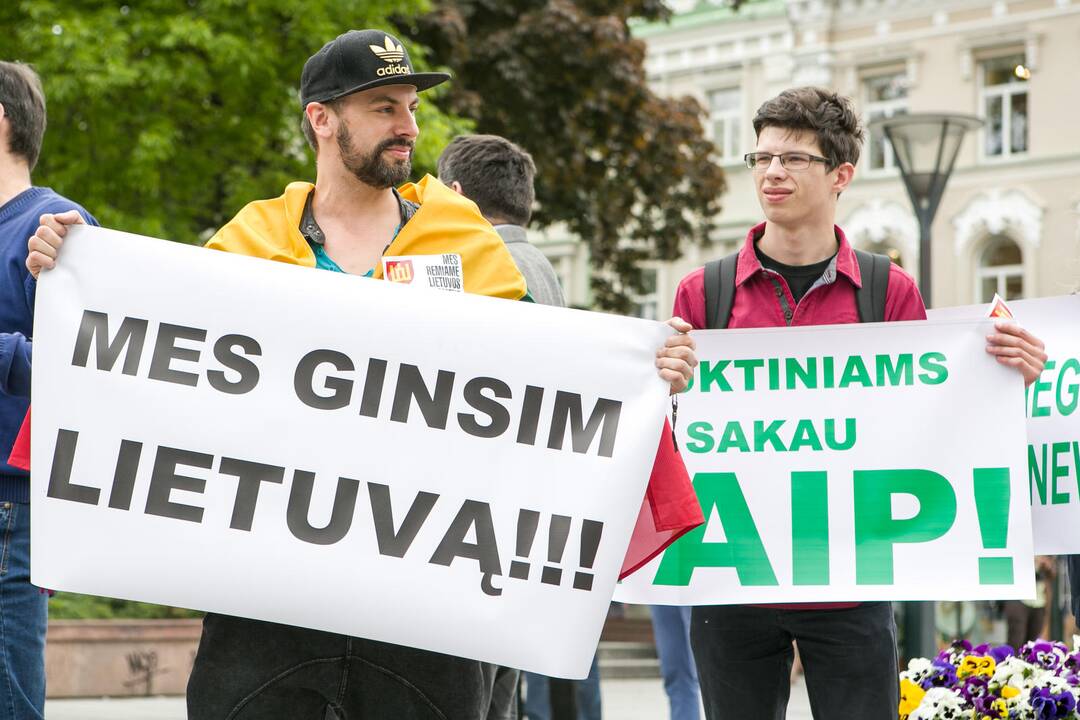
<point>494,173</point>
<point>24,110</point>
<point>829,116</point>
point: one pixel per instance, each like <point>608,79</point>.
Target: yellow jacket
<point>446,222</point>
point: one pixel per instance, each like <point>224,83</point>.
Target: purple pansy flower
<point>1066,703</point>
<point>1051,706</point>
<point>1001,652</point>
<point>1043,703</point>
<point>1072,662</point>
<point>954,653</point>
<point>1044,654</point>
<point>941,675</point>
<point>985,706</point>
<point>974,687</point>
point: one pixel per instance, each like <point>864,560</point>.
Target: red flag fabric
<point>20,451</point>
<point>669,509</point>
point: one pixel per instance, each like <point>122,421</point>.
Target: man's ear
<point>845,173</point>
<point>321,119</point>
<point>456,187</point>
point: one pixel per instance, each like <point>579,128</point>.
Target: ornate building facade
<point>1010,218</point>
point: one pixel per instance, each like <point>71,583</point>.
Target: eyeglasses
<point>790,161</point>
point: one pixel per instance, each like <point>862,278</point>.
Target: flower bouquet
<point>1040,681</point>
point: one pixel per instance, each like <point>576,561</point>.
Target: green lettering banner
<point>1053,419</point>
<point>855,462</point>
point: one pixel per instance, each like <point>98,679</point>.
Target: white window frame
<point>645,300</point>
<point>1000,273</point>
<point>882,108</point>
<point>1005,91</point>
<point>729,147</point>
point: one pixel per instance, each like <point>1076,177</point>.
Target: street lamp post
<point>925,146</point>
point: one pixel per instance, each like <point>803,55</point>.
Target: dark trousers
<point>253,670</point>
<point>1022,623</point>
<point>744,657</point>
<point>504,694</point>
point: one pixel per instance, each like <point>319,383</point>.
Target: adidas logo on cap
<point>389,52</point>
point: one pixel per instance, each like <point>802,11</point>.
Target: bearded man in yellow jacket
<point>359,99</point>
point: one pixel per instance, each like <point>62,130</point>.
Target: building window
<point>725,113</point>
<point>886,96</point>
<point>1005,105</point>
<point>1001,270</point>
<point>647,304</point>
<point>563,265</point>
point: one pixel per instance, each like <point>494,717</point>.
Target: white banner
<point>849,462</point>
<point>438,470</point>
<point>1053,413</point>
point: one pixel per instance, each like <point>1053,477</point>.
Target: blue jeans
<point>671,628</point>
<point>24,612</point>
<point>538,695</point>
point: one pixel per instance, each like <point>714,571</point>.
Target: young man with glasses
<point>797,268</point>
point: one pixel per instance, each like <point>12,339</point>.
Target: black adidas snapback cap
<point>360,60</point>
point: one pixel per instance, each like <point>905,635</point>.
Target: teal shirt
<point>311,231</point>
<point>325,262</point>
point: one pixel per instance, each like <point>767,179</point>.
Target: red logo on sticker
<point>399,271</point>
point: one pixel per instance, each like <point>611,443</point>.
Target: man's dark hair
<point>308,131</point>
<point>24,109</point>
<point>828,115</point>
<point>494,173</point>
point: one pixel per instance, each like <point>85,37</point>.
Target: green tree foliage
<point>628,171</point>
<point>70,606</point>
<point>166,117</point>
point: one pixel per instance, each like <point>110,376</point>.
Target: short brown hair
<point>308,131</point>
<point>828,115</point>
<point>24,108</point>
<point>494,173</point>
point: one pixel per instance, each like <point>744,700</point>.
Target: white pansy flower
<point>1014,671</point>
<point>940,704</point>
<point>918,670</point>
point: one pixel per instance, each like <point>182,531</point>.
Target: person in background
<point>498,176</point>
<point>671,629</point>
<point>23,607</point>
<point>1025,619</point>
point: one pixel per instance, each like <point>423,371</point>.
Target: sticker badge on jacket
<point>998,308</point>
<point>437,272</point>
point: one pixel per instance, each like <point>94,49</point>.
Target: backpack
<point>720,288</point>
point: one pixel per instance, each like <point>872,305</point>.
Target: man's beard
<point>372,169</point>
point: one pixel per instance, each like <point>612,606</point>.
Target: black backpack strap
<point>870,298</point>
<point>720,290</point>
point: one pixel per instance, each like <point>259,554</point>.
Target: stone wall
<point>120,658</point>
